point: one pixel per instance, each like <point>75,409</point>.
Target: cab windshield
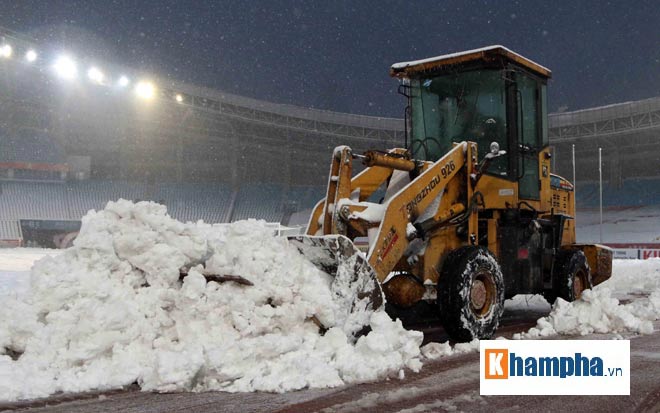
<point>459,107</point>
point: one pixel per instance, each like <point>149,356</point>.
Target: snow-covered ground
<point>622,225</point>
<point>110,311</point>
<point>22,259</point>
<point>15,264</point>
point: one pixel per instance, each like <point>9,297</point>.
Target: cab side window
<point>529,135</point>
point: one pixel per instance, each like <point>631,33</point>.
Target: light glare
<point>123,81</point>
<point>178,98</point>
<point>6,51</point>
<point>65,67</point>
<point>31,56</point>
<point>95,75</point>
<point>145,90</point>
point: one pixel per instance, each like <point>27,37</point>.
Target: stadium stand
<point>213,203</point>
<point>305,197</point>
<point>192,202</point>
<point>31,145</point>
<point>220,157</point>
<point>71,201</point>
<point>10,233</point>
<point>627,133</point>
<point>82,196</point>
<point>33,200</point>
<point>632,192</point>
<point>31,153</point>
<point>259,201</point>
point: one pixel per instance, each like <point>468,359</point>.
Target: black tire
<point>571,276</point>
<point>470,294</point>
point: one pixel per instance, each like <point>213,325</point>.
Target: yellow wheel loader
<point>468,213</point>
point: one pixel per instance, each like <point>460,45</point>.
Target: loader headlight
<point>494,148</point>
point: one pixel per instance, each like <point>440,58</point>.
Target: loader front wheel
<point>572,276</point>
<point>470,294</point>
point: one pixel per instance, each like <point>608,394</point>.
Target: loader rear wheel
<point>470,294</point>
<point>572,276</point>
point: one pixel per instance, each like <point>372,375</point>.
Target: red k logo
<point>497,364</point>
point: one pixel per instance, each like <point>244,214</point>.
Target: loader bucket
<point>355,285</point>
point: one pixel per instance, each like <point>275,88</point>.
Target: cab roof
<point>489,55</point>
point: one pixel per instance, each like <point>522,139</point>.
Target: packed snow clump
<point>112,310</point>
<point>433,351</point>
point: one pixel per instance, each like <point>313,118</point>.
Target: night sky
<point>335,54</point>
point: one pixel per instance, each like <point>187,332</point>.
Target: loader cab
<point>483,95</point>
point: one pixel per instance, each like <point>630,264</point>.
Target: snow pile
<point>432,351</point>
<point>111,311</point>
<point>527,303</point>
<point>600,311</point>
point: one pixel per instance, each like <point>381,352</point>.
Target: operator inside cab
<point>459,107</point>
<point>484,95</point>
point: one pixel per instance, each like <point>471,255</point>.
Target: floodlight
<point>6,51</point>
<point>65,67</point>
<point>123,81</point>
<point>145,90</point>
<point>178,98</point>
<point>95,75</point>
<point>31,56</point>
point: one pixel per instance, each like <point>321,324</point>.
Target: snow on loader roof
<point>406,69</point>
